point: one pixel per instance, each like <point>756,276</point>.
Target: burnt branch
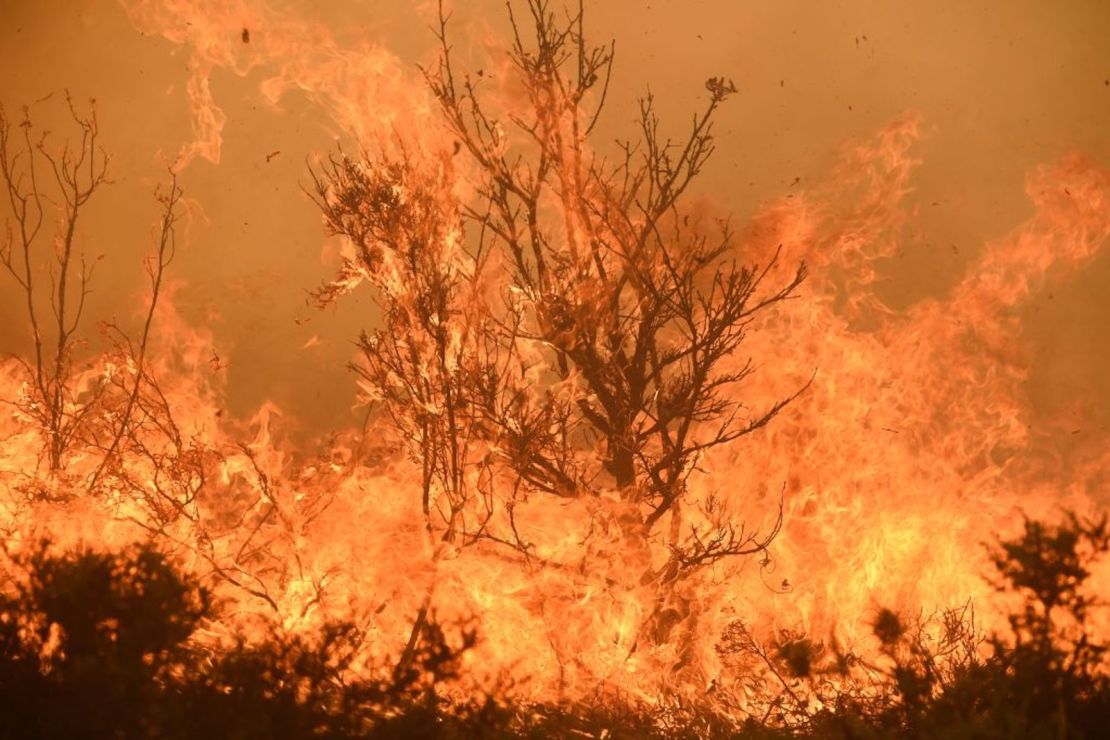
<point>156,265</point>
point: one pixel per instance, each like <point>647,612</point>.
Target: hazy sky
<point>1000,86</point>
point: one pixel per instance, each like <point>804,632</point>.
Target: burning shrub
<point>74,410</point>
<point>96,644</point>
<point>91,642</point>
<point>1046,677</point>
<point>110,644</point>
<point>563,355</point>
<point>560,330</point>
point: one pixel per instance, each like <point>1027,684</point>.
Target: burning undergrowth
<point>622,454</point>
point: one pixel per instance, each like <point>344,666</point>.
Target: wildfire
<point>913,442</point>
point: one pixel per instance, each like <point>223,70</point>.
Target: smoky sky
<point>1000,87</point>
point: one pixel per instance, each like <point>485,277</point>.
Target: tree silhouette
<point>570,328</point>
<point>42,180</point>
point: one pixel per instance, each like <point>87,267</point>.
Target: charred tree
<point>569,326</point>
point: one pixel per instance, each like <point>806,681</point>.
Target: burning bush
<point>1046,676</point>
<point>100,644</point>
<point>568,331</point>
<point>572,446</point>
<point>96,644</point>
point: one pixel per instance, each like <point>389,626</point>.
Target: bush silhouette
<point>96,644</point>
<point>89,641</point>
<point>104,644</point>
<point>1043,677</point>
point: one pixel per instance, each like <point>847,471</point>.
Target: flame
<point>349,83</point>
<point>915,441</point>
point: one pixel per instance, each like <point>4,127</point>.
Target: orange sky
<point>1001,87</point>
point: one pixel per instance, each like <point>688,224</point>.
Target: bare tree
<point>30,169</point>
<point>47,183</point>
<point>109,430</point>
<point>567,328</point>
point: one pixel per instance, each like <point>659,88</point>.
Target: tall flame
<point>915,442</point>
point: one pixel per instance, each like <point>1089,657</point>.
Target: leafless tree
<point>49,188</point>
<point>31,170</point>
<point>573,326</point>
<point>110,431</point>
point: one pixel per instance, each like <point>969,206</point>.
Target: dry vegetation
<point>568,329</point>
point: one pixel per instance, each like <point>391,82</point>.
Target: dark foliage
<point>101,645</point>
<point>1044,677</point>
<point>87,638</point>
<point>97,644</point>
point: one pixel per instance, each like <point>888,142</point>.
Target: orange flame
<point>914,443</point>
